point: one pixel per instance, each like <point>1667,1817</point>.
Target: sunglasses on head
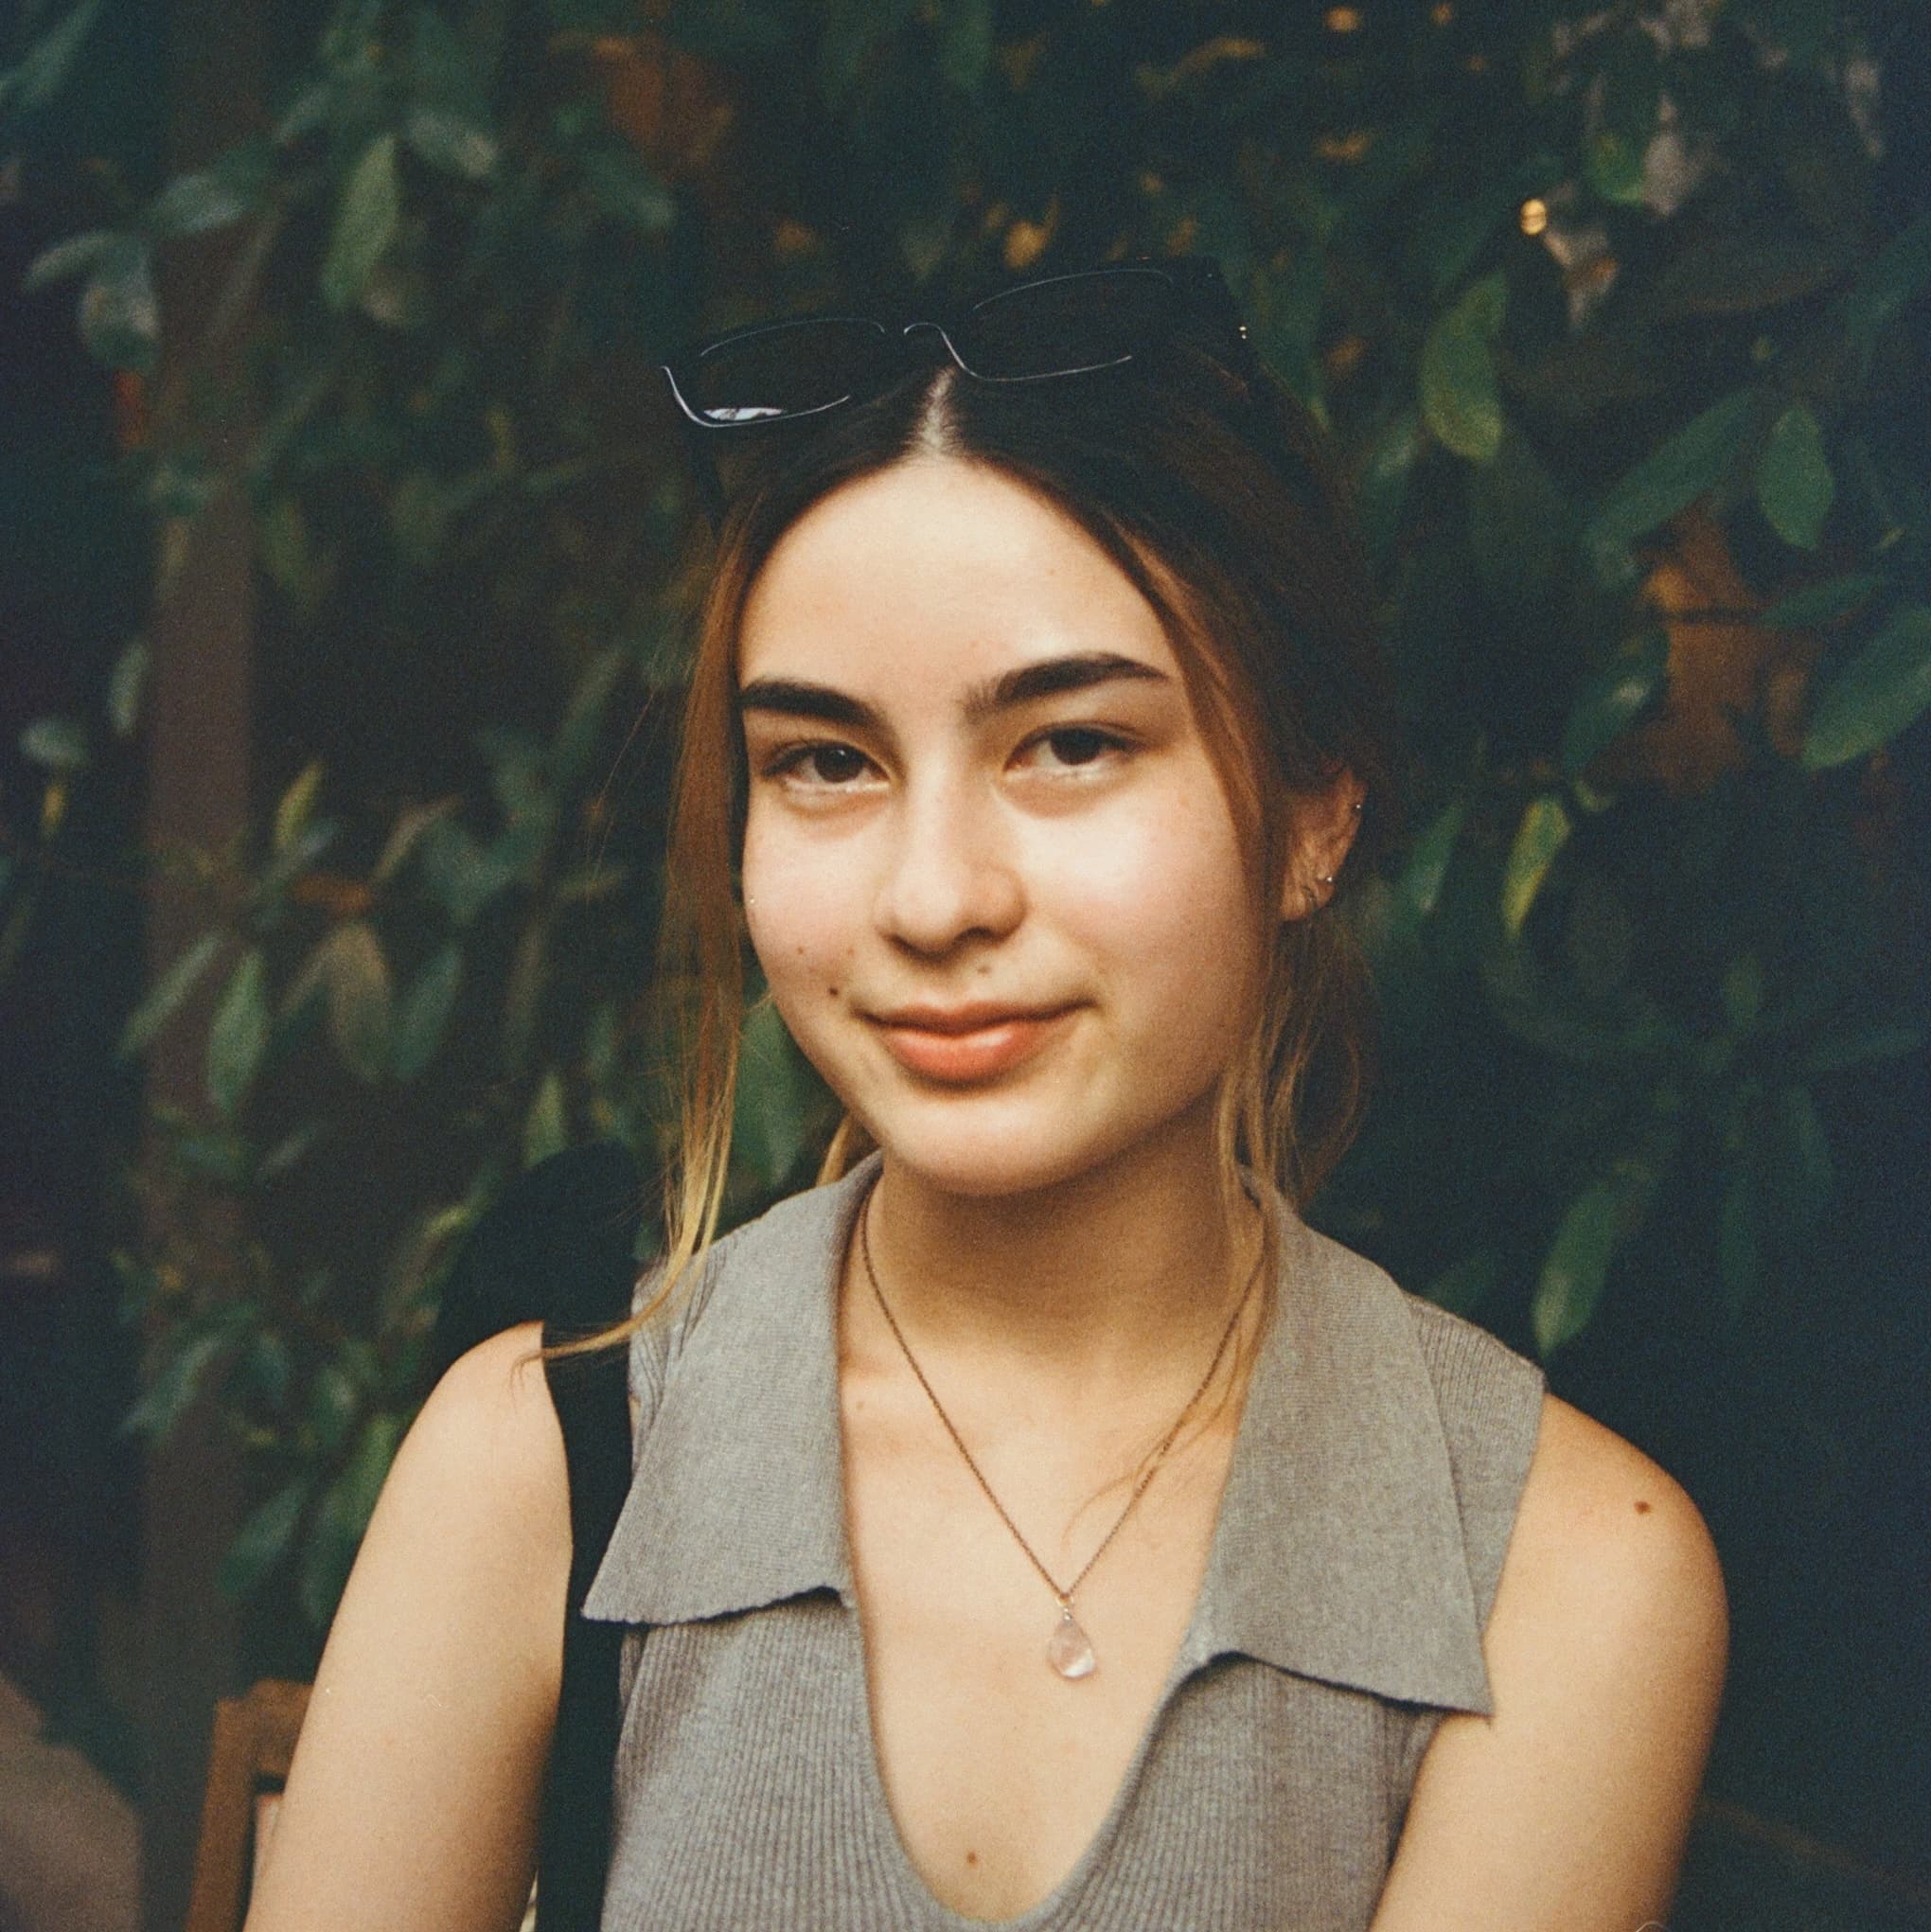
<point>1034,331</point>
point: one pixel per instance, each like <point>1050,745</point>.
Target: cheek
<point>1161,894</point>
<point>796,913</point>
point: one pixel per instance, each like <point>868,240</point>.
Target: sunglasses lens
<point>788,369</point>
<point>1070,322</point>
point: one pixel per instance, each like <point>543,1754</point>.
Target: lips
<point>958,1044</point>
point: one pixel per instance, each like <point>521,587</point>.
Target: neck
<point>1098,1276</point>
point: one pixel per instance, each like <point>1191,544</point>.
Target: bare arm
<point>413,1796</point>
<point>1569,1807</point>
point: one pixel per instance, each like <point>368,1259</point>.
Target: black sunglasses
<point>1056,325</point>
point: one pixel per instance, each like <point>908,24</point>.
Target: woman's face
<point>989,868</point>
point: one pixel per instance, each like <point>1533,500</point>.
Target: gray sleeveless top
<point>1374,1485</point>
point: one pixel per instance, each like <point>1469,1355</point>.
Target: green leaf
<point>216,198</point>
<point>1822,603</point>
<point>38,78</point>
<point>767,1112</point>
<point>273,880</point>
<point>965,38</point>
<point>1543,831</point>
<point>1612,700</point>
<point>1875,695</point>
<point>184,1363</point>
<point>125,685</point>
<point>1382,489</point>
<point>1576,1266</point>
<point>218,1155</point>
<point>55,744</point>
<point>1455,229</point>
<point>312,107</point>
<point>623,186</point>
<point>1743,991</point>
<point>1460,400</point>
<point>1795,488</point>
<point>1898,272</point>
<point>1694,460</point>
<point>238,1035</point>
<point>355,976</point>
<point>1613,166</point>
<point>289,1151</point>
<point>522,993</point>
<point>333,1400</point>
<point>577,735</point>
<point>121,317</point>
<point>452,143</point>
<point>163,1000</point>
<point>366,223</point>
<point>263,1540</point>
<point>1420,887</point>
<point>461,877</point>
<point>423,1016</point>
<point>266,1368</point>
<point>411,823</point>
<point>546,1128</point>
<point>73,257</point>
<point>297,802</point>
<point>342,1517</point>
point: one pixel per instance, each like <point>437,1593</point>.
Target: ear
<point>1326,823</point>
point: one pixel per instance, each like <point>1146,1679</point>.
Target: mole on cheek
<point>1642,1509</point>
<point>972,1858</point>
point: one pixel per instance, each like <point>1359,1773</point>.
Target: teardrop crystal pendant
<point>1070,1651</point>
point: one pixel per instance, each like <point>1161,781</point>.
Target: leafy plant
<point>1604,309</point>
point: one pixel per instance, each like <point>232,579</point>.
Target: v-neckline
<point>910,1883</point>
<point>1190,1655</point>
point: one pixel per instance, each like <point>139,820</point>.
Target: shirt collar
<point>1340,1553</point>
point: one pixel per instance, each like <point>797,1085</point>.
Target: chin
<point>985,1160</point>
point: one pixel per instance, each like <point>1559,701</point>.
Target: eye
<point>1073,747</point>
<point>821,763</point>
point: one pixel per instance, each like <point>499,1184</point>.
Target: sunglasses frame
<point>1199,291</point>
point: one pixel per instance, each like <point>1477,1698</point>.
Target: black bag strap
<point>573,1851</point>
<point>560,1247</point>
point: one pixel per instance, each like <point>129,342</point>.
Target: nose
<point>951,874</point>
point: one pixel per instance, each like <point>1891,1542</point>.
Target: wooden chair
<point>248,1761</point>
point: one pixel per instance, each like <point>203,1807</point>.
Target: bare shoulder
<point>1569,1806</point>
<point>1606,1536</point>
<point>415,1791</point>
<point>491,1412</point>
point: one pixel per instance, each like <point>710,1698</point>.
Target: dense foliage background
<point>1617,315</point>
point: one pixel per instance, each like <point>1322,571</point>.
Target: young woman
<point>1037,1523</point>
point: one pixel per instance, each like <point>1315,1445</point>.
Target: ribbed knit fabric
<point>1381,1458</point>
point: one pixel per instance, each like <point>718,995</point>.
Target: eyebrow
<point>1049,678</point>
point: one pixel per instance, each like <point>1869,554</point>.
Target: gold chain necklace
<point>1069,1650</point>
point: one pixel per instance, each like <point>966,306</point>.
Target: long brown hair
<point>1214,497</point>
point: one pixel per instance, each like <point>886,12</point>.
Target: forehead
<point>937,569</point>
